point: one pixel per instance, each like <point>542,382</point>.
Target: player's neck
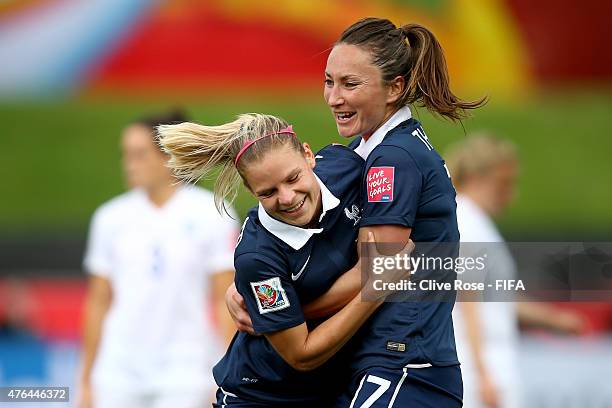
<point>481,199</point>
<point>159,195</point>
<point>314,222</point>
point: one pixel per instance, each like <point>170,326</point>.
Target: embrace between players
<point>297,264</point>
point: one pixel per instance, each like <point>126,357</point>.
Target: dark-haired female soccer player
<point>405,356</point>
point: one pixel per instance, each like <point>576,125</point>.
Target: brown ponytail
<point>415,54</point>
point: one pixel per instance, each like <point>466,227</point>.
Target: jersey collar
<point>365,148</point>
<point>293,236</point>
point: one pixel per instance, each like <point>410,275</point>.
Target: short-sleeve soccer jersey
<point>405,182</point>
<point>279,268</point>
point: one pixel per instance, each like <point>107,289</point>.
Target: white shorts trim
<point>397,388</point>
<point>225,395</point>
<point>426,365</point>
<point>357,392</point>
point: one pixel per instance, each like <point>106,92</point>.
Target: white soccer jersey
<point>158,331</point>
<point>498,321</point>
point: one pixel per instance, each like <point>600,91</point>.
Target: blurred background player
<point>484,170</point>
<point>160,258</point>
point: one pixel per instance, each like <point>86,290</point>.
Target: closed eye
<point>265,194</point>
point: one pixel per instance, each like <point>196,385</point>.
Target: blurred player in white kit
<point>484,170</point>
<point>160,258</point>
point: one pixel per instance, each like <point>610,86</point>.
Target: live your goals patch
<point>380,184</point>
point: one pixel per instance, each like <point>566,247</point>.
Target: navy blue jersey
<point>405,182</point>
<point>280,267</point>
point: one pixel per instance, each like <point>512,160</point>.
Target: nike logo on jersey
<point>297,276</point>
<point>318,156</point>
<point>353,214</point>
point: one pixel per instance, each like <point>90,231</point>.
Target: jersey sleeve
<point>97,260</point>
<point>268,293</point>
<point>392,185</point>
<point>222,241</point>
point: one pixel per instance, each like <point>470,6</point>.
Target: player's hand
<point>84,396</point>
<point>569,322</point>
<point>237,309</point>
<point>392,275</point>
<point>488,392</point>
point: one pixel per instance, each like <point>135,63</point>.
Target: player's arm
<point>237,309</point>
<point>98,300</point>
<point>284,324</point>
<point>388,217</point>
<point>220,281</point>
<point>304,350</point>
<point>471,318</point>
<point>349,284</point>
<point>392,186</point>
<point>548,317</point>
<point>222,237</point>
<point>344,289</point>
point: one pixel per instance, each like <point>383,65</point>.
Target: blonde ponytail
<point>196,150</point>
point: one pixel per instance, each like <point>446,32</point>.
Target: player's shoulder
<point>202,201</point>
<point>252,263</point>
<point>338,167</point>
<point>336,151</point>
<point>474,225</point>
<point>255,242</point>
<point>198,195</point>
<point>119,205</point>
<point>336,158</point>
<point>409,136</point>
<point>407,142</point>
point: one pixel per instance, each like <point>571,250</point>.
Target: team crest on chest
<point>269,295</point>
<point>380,184</point>
<point>353,214</point>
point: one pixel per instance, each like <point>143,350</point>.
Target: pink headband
<point>288,130</point>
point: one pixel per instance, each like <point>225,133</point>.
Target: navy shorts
<point>414,386</point>
<point>230,400</point>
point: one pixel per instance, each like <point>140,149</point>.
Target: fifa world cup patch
<point>270,295</point>
<point>380,184</point>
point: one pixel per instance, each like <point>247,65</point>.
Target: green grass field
<point>60,160</point>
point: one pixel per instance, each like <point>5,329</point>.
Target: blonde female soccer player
<point>293,247</point>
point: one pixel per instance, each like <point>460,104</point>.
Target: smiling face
<point>285,185</point>
<point>354,90</point>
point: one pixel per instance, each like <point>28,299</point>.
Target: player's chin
<point>346,130</point>
<point>300,221</point>
<point>298,218</point>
